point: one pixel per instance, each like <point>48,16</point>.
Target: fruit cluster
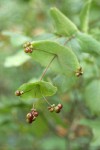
<point>31,116</point>
<point>57,108</point>
<point>79,72</point>
<point>18,93</point>
<point>28,48</point>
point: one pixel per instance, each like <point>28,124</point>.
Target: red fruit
<point>36,113</point>
<point>60,106</point>
<point>26,50</point>
<point>32,111</point>
<point>30,50</point>
<point>17,93</point>
<point>57,109</point>
<point>29,116</point>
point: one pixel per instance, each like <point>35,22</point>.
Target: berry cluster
<point>79,72</point>
<point>18,93</point>
<point>28,48</point>
<point>57,108</point>
<point>31,116</point>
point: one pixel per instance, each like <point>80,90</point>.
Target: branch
<point>44,72</point>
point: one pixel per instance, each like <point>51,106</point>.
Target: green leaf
<point>65,61</point>
<point>95,126</point>
<point>63,25</point>
<point>45,36</point>
<point>88,44</point>
<point>37,89</point>
<point>63,83</point>
<point>16,60</point>
<point>15,38</point>
<point>92,96</point>
<point>90,67</point>
<point>84,16</point>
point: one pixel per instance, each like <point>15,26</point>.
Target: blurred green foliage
<point>22,20</point>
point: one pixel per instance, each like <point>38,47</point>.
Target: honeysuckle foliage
<point>64,60</point>
<point>69,48</point>
<point>37,90</point>
<point>63,25</point>
<point>84,16</point>
<point>61,64</point>
<point>16,60</point>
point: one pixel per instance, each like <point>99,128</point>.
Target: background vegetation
<point>77,127</point>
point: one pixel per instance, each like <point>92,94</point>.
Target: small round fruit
<point>31,47</point>
<point>28,43</point>
<point>29,120</point>
<point>36,113</point>
<point>26,50</point>
<point>29,116</point>
<point>17,93</point>
<point>60,106</point>
<point>57,109</point>
<point>30,51</point>
<point>25,45</point>
<point>51,109</point>
<point>33,111</point>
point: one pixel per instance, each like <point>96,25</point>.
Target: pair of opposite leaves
<point>65,61</point>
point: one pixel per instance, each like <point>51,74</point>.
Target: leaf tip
<point>53,10</point>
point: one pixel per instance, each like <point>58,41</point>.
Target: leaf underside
<point>65,61</point>
<point>37,89</point>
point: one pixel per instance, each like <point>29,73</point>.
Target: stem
<point>70,38</point>
<point>44,72</point>
<point>46,100</point>
<point>33,106</point>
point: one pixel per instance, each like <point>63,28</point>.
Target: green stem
<point>69,39</point>
<point>46,100</point>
